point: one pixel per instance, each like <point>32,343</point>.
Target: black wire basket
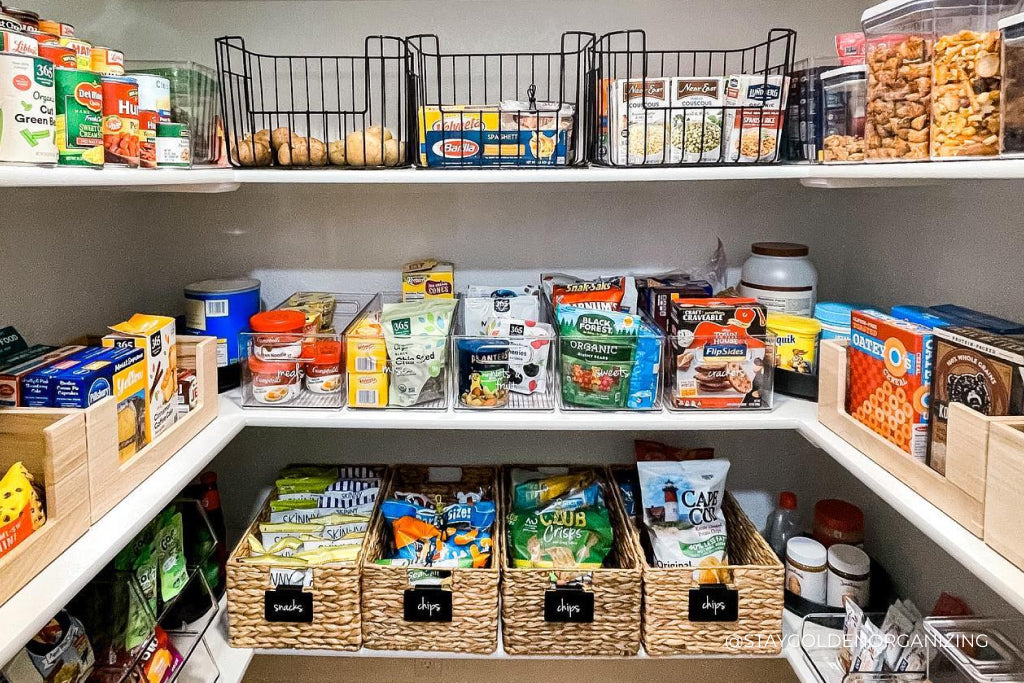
<point>316,111</point>
<point>686,107</point>
<point>510,109</point>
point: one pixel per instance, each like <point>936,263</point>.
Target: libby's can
<point>107,61</point>
<point>79,118</point>
<point>26,110</point>
<point>154,108</point>
<point>56,28</point>
<point>62,57</point>
<point>18,43</point>
<point>82,49</point>
<point>120,120</point>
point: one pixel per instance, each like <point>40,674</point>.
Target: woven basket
<point>615,630</point>
<point>335,592</point>
<point>474,624</point>
<point>755,572</point>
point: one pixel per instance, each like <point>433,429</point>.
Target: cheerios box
<point>889,383</point>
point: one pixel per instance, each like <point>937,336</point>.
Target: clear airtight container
<point>844,92</point>
<point>1012,99</point>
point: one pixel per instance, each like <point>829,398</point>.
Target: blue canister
<point>221,309</point>
<point>834,317</point>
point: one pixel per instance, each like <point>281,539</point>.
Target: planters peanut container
<point>221,309</point>
<point>27,110</point>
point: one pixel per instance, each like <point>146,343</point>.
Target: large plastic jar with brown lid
<point>781,276</point>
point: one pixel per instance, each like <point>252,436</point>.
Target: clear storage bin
<point>974,649</point>
<point>376,379</point>
<point>822,639</point>
<point>805,115</point>
<point>511,367</point>
<point>1012,99</point>
<point>844,95</point>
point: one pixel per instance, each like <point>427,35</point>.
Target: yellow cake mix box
<point>155,334</point>
<point>368,390</point>
<point>365,350</point>
<point>428,279</point>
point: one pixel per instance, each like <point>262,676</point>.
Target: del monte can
<point>79,118</point>
<point>27,112</point>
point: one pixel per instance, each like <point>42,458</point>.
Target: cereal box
<point>721,353</point>
<point>639,125</point>
<point>155,334</point>
<point>890,366</point>
<point>753,125</point>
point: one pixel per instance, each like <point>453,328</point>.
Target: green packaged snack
<point>533,490</point>
<point>288,504</point>
<point>314,484</point>
<point>170,554</point>
<point>315,471</point>
<point>560,539</point>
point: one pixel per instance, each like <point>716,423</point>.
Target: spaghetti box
<point>37,388</point>
<point>90,382</point>
<point>967,317</point>
<point>11,376</point>
<point>981,370</point>
<point>922,315</point>
<point>888,391</point>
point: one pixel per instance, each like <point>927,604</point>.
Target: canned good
<point>79,118</point>
<point>26,110</point>
<point>107,61</point>
<point>172,146</point>
<point>82,49</point>
<point>9,23</point>
<point>26,17</point>
<point>62,57</point>
<point>154,107</point>
<point>120,120</point>
<point>221,308</point>
<point>56,28</point>
<point>18,43</point>
<point>41,38</point>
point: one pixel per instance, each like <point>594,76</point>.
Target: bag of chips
<point>605,294</point>
<point>21,507</point>
<point>431,534</point>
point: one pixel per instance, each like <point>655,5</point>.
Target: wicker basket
<point>474,624</point>
<point>335,590</point>
<point>755,573</point>
<point>615,630</point>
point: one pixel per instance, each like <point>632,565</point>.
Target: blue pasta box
<point>37,388</point>
<point>89,383</point>
<point>488,136</point>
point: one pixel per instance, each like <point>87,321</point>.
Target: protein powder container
<point>781,277</point>
<point>221,309</point>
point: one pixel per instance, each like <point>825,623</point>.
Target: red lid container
<point>278,321</point>
<point>836,521</point>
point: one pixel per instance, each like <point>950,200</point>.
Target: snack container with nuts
<point>1012,93</point>
<point>844,92</point>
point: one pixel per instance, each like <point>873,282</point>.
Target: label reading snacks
<point>288,604</point>
<point>428,605</point>
<point>568,606</point>
<point>714,602</point>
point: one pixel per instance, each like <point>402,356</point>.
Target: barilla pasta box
<point>428,279</point>
<point>34,358</point>
<point>155,335</point>
<point>889,382</point>
<point>37,387</point>
<point>754,112</point>
<point>722,354</point>
<point>484,135</point>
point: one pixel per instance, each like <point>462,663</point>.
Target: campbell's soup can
<point>18,43</point>
<point>107,61</point>
<point>82,49</point>
<point>120,120</point>
<point>79,118</point>
<point>154,108</point>
<point>62,57</point>
<point>56,28</point>
<point>27,112</point>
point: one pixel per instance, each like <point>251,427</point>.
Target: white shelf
<point>232,662</point>
<point>211,180</point>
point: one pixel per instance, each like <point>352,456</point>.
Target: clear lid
<point>846,73</point>
<point>924,16</point>
<point>1012,20</point>
<point>983,650</point>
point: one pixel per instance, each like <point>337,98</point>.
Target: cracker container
<point>844,92</point>
<point>1012,119</point>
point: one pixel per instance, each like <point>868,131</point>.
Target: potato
<point>303,152</point>
<point>281,136</point>
<point>363,150</point>
<point>251,152</point>
<point>336,153</point>
<point>393,152</point>
<point>379,132</point>
<point>262,136</point>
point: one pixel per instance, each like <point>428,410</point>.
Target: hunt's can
<point>82,49</point>
<point>107,61</point>
<point>120,120</point>
<point>62,57</point>
<point>154,107</point>
<point>79,118</point>
<point>172,146</point>
<point>18,43</point>
<point>27,117</point>
<point>56,28</point>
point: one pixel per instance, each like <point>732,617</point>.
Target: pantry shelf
<point>196,180</point>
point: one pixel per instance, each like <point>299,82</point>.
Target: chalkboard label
<point>428,605</point>
<point>714,602</point>
<point>568,606</point>
<point>288,603</point>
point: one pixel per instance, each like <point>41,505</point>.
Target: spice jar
<point>849,574</point>
<point>274,382</point>
<point>844,92</point>
<point>807,569</point>
<point>1012,97</point>
<point>781,277</point>
<point>836,521</point>
<point>280,334</point>
<point>323,373</point>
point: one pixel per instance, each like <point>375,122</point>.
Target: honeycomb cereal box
<point>890,368</point>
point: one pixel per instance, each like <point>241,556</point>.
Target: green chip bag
<point>170,554</point>
<point>560,539</point>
